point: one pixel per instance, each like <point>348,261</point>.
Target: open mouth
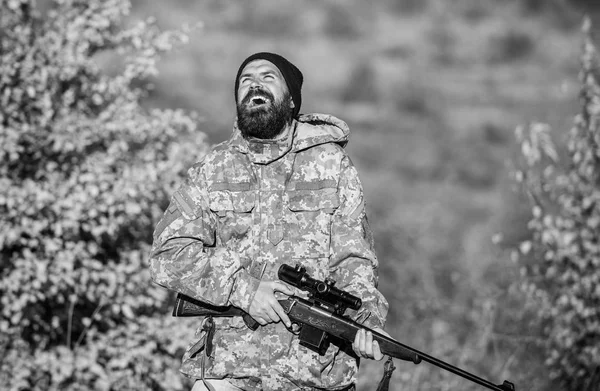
<point>259,101</point>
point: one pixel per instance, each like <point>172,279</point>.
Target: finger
<point>271,315</point>
<point>363,343</point>
<point>260,320</point>
<point>377,355</point>
<point>360,343</point>
<point>356,343</point>
<point>369,344</point>
<point>281,314</point>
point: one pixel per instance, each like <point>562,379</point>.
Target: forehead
<point>260,66</point>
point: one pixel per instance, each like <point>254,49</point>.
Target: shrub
<point>263,20</point>
<point>510,46</point>
<point>563,14</point>
<point>362,84</point>
<point>562,259</point>
<point>413,98</point>
<point>443,40</point>
<point>407,7</point>
<point>85,172</point>
<point>341,23</point>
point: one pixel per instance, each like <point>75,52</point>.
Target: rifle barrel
<point>304,311</point>
<point>506,386</point>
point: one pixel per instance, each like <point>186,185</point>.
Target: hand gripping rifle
<point>321,320</point>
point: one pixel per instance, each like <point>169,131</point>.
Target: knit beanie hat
<point>292,75</point>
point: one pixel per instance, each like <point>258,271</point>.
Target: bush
<point>341,23</point>
<point>85,173</point>
<point>413,98</point>
<point>407,7</point>
<point>510,46</point>
<point>562,258</point>
<point>263,20</point>
<point>362,84</point>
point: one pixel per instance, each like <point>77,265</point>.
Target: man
<point>281,190</point>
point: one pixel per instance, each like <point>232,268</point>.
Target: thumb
<point>282,287</point>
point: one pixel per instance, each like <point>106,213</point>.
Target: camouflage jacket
<point>244,210</point>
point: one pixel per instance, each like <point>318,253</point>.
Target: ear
<point>292,105</point>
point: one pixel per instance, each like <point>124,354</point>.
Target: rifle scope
<point>321,290</point>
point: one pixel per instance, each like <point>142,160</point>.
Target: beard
<point>266,121</point>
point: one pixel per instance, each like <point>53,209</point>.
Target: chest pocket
<point>309,221</point>
<point>234,214</point>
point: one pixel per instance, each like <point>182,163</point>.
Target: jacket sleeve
<point>184,257</point>
<point>353,263</point>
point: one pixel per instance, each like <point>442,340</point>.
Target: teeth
<point>260,100</point>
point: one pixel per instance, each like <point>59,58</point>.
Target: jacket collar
<point>263,151</point>
<point>307,131</point>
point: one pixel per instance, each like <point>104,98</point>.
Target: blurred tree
<point>562,259</point>
<point>85,173</point>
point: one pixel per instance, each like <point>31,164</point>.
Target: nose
<point>255,85</point>
<point>255,88</point>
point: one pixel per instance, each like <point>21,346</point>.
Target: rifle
<point>322,321</point>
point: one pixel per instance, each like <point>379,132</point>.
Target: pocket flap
<point>243,201</point>
<point>220,201</point>
<point>238,201</point>
<point>313,200</point>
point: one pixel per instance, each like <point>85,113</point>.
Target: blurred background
<point>433,91</point>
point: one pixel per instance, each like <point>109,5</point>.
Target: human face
<point>264,104</point>
<point>262,84</point>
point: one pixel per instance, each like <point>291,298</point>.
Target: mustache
<point>257,93</point>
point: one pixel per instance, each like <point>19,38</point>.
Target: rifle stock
<point>187,306</point>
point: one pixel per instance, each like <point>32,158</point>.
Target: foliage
<point>278,21</point>
<point>407,6</point>
<point>85,173</point>
<point>364,86</point>
<point>341,23</point>
<point>562,258</point>
<point>510,46</point>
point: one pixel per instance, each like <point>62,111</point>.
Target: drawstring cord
<point>208,330</point>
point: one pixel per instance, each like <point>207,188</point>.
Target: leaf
<point>127,311</point>
<point>525,247</point>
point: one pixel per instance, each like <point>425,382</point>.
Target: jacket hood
<point>315,129</point>
<point>309,130</point>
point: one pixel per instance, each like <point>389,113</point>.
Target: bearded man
<point>281,190</point>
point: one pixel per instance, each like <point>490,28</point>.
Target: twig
<point>515,337</point>
<point>509,361</point>
<point>70,320</point>
<point>84,332</point>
